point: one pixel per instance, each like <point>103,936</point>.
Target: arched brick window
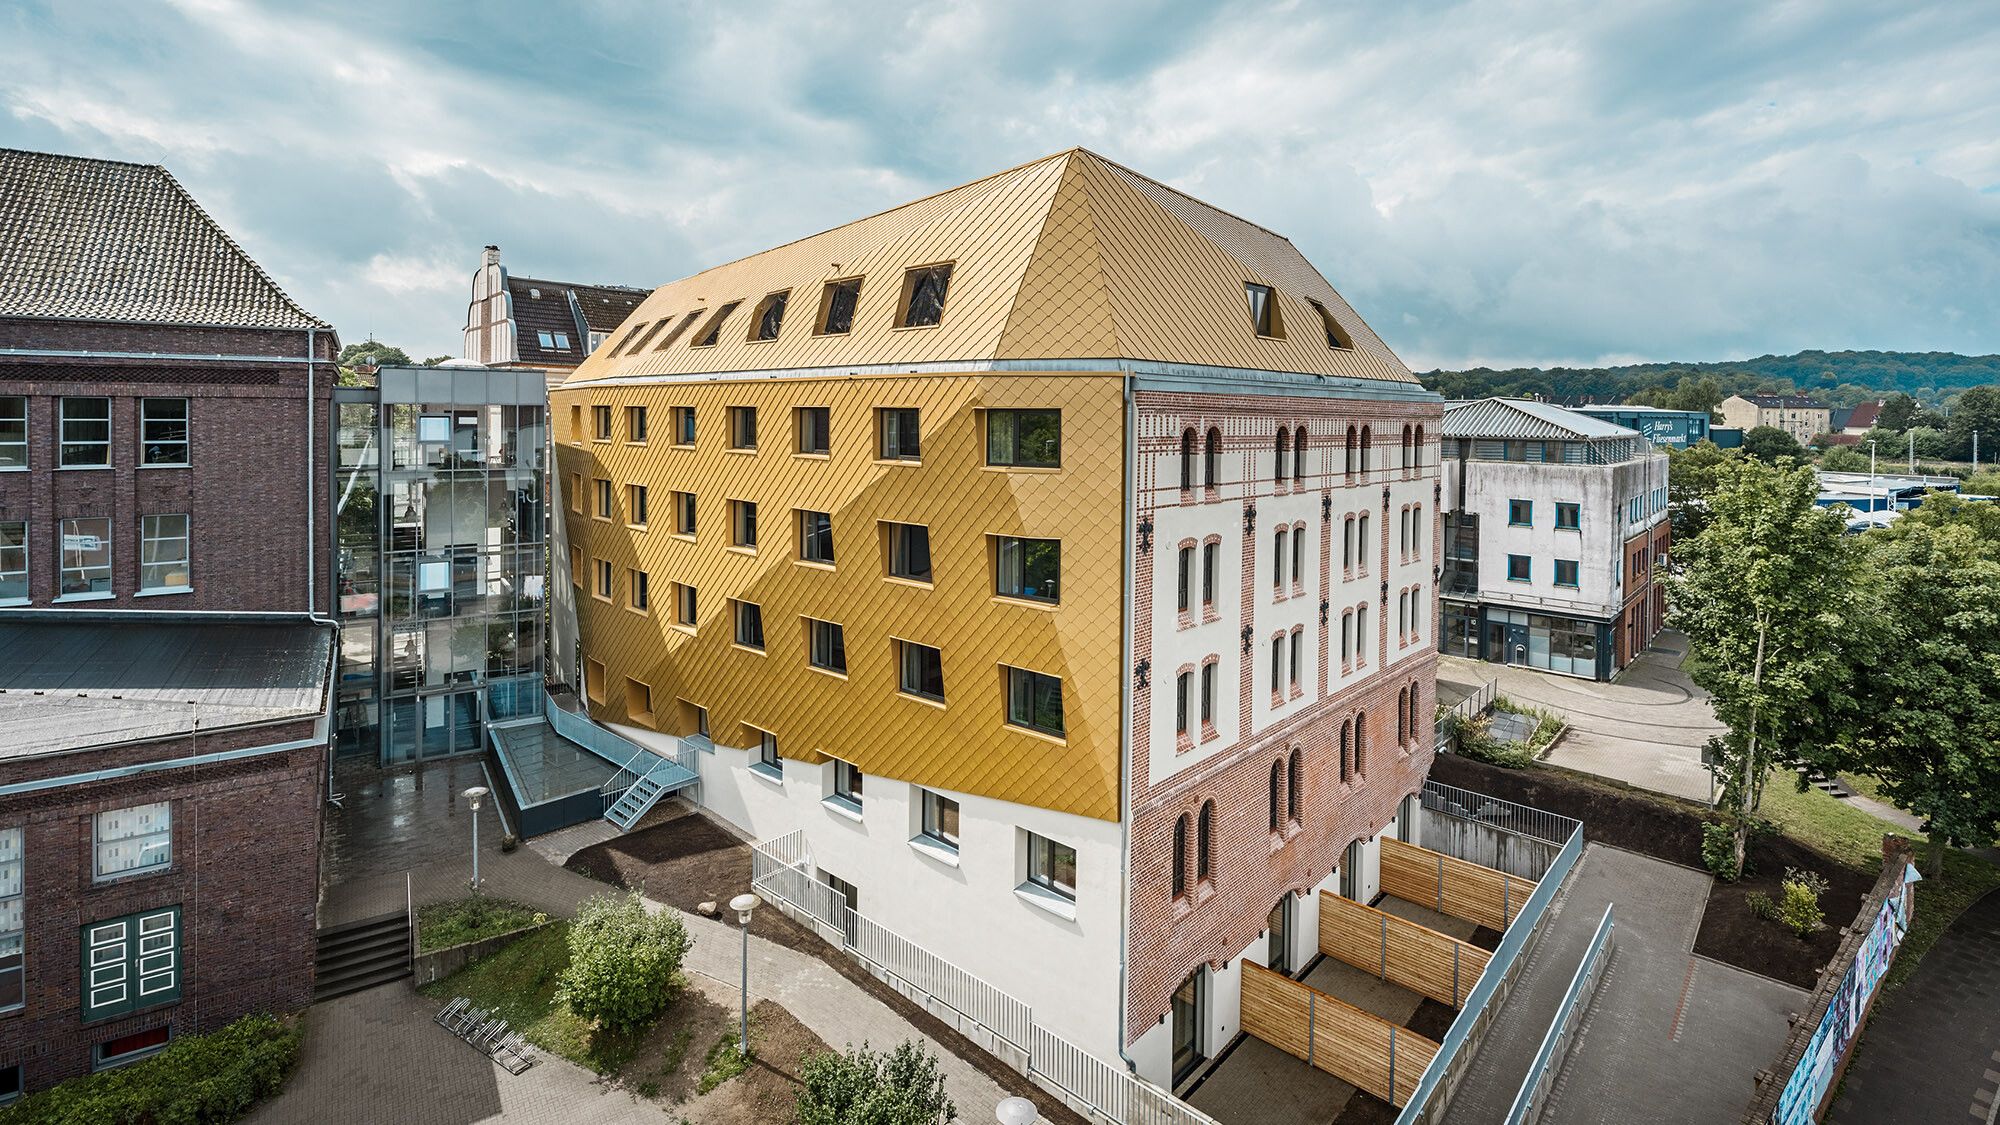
<point>1361,745</point>
<point>1346,748</point>
<point>1187,460</point>
<point>1353,450</point>
<point>1366,443</point>
<point>1406,447</point>
<point>1211,460</point>
<point>1420,447</point>
<point>1402,716</point>
<point>1298,455</point>
<point>1284,446</point>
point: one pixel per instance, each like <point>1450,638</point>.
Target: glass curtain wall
<point>442,570</point>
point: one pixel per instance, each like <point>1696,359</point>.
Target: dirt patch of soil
<point>1734,936</point>
<point>1366,1109</point>
<point>1623,818</point>
<point>1431,1019</point>
<point>690,859</point>
<point>670,1065</point>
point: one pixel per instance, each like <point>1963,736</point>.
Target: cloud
<point>1546,181</point>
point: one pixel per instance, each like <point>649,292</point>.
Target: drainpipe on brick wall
<point>1125,733</point>
<point>312,533</point>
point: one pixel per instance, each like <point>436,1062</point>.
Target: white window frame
<point>14,562</point>
<point>62,432</point>
<point>73,527</point>
<point>147,441</point>
<point>11,443</point>
<point>153,537</point>
<point>152,831</point>
<point>13,917</point>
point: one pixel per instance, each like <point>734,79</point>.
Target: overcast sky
<point>1570,181</point>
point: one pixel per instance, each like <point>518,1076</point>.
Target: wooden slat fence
<point>1357,1047</point>
<point>1453,886</point>
<point>1398,950</point>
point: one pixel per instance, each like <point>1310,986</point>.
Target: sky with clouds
<point>1538,182</point>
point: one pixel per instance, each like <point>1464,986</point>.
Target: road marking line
<point>1680,1013</point>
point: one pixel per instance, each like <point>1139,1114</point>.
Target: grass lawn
<point>518,984</point>
<point>1855,837</point>
<point>441,925</point>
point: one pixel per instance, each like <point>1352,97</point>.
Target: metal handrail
<point>1528,1104</point>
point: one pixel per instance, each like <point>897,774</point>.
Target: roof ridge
<point>1102,159</point>
<point>885,211</point>
<point>518,278</point>
<point>5,150</point>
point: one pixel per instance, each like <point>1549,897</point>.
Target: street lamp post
<point>1015,1111</point>
<point>743,904</point>
<point>1871,476</point>
<point>474,794</point>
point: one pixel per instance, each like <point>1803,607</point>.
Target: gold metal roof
<point>1069,257</point>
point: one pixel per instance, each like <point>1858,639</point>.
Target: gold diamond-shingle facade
<point>1063,272</point>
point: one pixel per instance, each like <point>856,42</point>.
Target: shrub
<point>624,963</point>
<point>1800,909</point>
<point>196,1080</point>
<point>1761,906</point>
<point>1718,851</point>
<point>861,1087</point>
<point>1476,741</point>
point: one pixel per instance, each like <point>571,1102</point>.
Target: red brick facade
<point>244,489</point>
<point>244,872</point>
<point>1253,866</point>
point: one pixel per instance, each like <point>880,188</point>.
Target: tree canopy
<point>385,354</point>
<point>1768,443</point>
<point>1837,378</point>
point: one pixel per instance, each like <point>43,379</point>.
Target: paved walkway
<point>374,1053</point>
<point>1933,1053</point>
<point>1646,729</point>
<point>1666,1029</point>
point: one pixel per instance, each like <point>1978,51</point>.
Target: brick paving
<point>376,1056</point>
<point>1932,1053</point>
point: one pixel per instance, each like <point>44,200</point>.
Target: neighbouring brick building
<point>549,325</point>
<point>164,681</point>
<point>1097,546</point>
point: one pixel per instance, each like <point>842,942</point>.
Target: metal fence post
<point>1454,976</point>
<point>1312,1008</point>
<point>1392,1065</point>
<point>1385,947</point>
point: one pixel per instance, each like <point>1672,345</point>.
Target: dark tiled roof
<point>86,239</point>
<point>1785,402</point>
<point>553,306</point>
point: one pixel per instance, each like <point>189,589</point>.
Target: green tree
<point>1692,474</point>
<point>860,1087</point>
<point>1765,595</point>
<point>1986,482</point>
<point>433,361</point>
<point>384,354</point>
<point>1768,443</point>
<point>1897,413</point>
<point>1844,459</point>
<point>623,961</point>
<point>1928,671</point>
<point>1977,411</point>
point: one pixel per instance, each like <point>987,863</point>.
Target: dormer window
<point>639,345</point>
<point>923,295</point>
<point>1264,310</point>
<point>769,316</point>
<point>535,293</point>
<point>1335,339</point>
<point>707,338</point>
<point>836,307</point>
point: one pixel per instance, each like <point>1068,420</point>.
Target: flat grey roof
<point>71,684</point>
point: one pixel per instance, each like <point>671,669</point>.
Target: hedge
<point>197,1080</point>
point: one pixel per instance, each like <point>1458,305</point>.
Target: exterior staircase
<point>1831,786</point>
<point>645,791</point>
<point>357,955</point>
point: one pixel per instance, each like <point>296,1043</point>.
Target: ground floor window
<point>1052,865</point>
<point>1459,635</point>
<point>1557,644</point>
<point>13,560</point>
<point>130,963</point>
<point>1187,1026</point>
<point>12,923</point>
<point>10,1083</point>
<point>126,1048</point>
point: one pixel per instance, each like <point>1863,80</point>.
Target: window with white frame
<point>13,924</point>
<point>163,553</point>
<point>86,433</point>
<point>132,840</point>
<point>163,431</point>
<point>13,561</point>
<point>847,779</point>
<point>767,753</point>
<point>85,551</point>
<point>13,432</point>
<point>131,963</point>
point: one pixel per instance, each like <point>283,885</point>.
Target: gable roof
<point>84,239</point>
<point>1069,257</point>
<point>573,310</point>
<point>1520,418</point>
<point>1863,416</point>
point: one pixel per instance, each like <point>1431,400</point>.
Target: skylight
<point>837,305</point>
<point>708,338</point>
<point>1334,338</point>
<point>770,314</point>
<point>678,329</point>
<point>923,295</point>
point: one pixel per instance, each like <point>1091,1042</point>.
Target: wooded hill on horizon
<point>1934,379</point>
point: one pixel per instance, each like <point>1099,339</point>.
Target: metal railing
<point>1465,709</point>
<point>1530,1101</point>
<point>1553,828</point>
<point>1475,1015</point>
<point>778,868</point>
